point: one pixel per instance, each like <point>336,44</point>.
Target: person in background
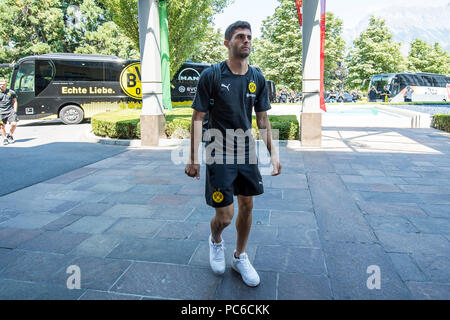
<point>385,94</point>
<point>408,94</point>
<point>8,111</point>
<point>373,94</point>
<point>283,96</point>
<point>332,95</point>
<point>354,96</point>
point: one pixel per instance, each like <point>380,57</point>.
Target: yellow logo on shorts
<point>252,87</point>
<point>217,197</point>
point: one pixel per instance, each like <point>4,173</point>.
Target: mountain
<point>431,24</point>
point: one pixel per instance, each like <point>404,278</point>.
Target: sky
<point>255,11</point>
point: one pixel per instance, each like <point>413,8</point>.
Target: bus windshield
<point>380,81</point>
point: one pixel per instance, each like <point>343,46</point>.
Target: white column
<point>149,43</point>
<point>152,116</point>
<point>311,118</point>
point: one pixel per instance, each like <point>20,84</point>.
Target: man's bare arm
<point>263,123</point>
<point>15,104</point>
<point>196,134</point>
<point>193,166</point>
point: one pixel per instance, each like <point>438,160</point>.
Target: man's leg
<point>3,130</point>
<point>220,221</point>
<point>243,222</point>
<point>216,245</point>
<point>12,128</point>
<point>241,263</point>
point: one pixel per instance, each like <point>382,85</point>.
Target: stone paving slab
<point>155,250</point>
<point>96,273</point>
<point>103,295</point>
<point>25,290</point>
<point>167,281</point>
<point>138,227</point>
<point>35,266</point>
<point>13,237</point>
<point>348,264</point>
<point>429,291</point>
<point>55,241</point>
<point>300,286</point>
<point>232,288</point>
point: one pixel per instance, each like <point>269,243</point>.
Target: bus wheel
<point>71,114</point>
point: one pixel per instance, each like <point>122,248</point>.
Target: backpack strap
<point>216,80</point>
<point>215,90</point>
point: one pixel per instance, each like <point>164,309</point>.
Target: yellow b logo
<point>130,80</point>
<point>252,87</point>
<point>217,197</point>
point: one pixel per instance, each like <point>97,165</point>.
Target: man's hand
<point>275,161</point>
<point>193,170</point>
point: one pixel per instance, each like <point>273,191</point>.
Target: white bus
<point>428,87</point>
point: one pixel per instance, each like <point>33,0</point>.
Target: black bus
<point>76,86</point>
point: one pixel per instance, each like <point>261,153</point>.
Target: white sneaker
<point>245,268</point>
<point>217,256</point>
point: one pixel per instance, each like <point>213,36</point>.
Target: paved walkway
<point>137,226</point>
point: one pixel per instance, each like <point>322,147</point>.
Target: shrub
<point>117,124</point>
<point>126,124</point>
<point>442,122</point>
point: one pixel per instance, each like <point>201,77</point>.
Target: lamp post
<point>152,116</point>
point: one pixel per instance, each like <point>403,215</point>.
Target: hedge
<point>117,124</point>
<point>442,122</point>
<point>126,124</point>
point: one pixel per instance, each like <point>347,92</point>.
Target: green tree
<point>373,52</point>
<point>211,49</point>
<point>279,51</point>
<point>30,27</point>
<point>424,57</point>
<point>188,24</point>
<point>93,32</point>
<point>335,70</point>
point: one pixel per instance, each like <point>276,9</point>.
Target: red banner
<point>322,53</point>
<point>299,4</point>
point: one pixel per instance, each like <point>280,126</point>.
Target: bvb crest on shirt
<point>252,87</point>
<point>217,196</point>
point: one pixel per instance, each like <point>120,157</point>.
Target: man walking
<point>230,107</point>
<point>8,112</point>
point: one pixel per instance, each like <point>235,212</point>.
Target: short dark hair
<point>237,25</point>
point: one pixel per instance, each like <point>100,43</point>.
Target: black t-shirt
<point>233,104</point>
<point>6,101</point>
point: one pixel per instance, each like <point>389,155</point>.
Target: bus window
<point>78,70</point>
<point>394,87</point>
<point>113,70</point>
<point>44,75</point>
<point>379,82</point>
<point>429,81</point>
<point>24,80</point>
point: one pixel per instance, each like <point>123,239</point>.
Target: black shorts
<point>223,181</point>
<point>10,117</point>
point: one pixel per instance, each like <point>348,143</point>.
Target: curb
<point>132,143</point>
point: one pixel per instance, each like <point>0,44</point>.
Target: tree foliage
<point>32,27</point>
<point>424,57</point>
<point>188,24</point>
<point>373,52</point>
<point>211,49</point>
<point>279,51</point>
